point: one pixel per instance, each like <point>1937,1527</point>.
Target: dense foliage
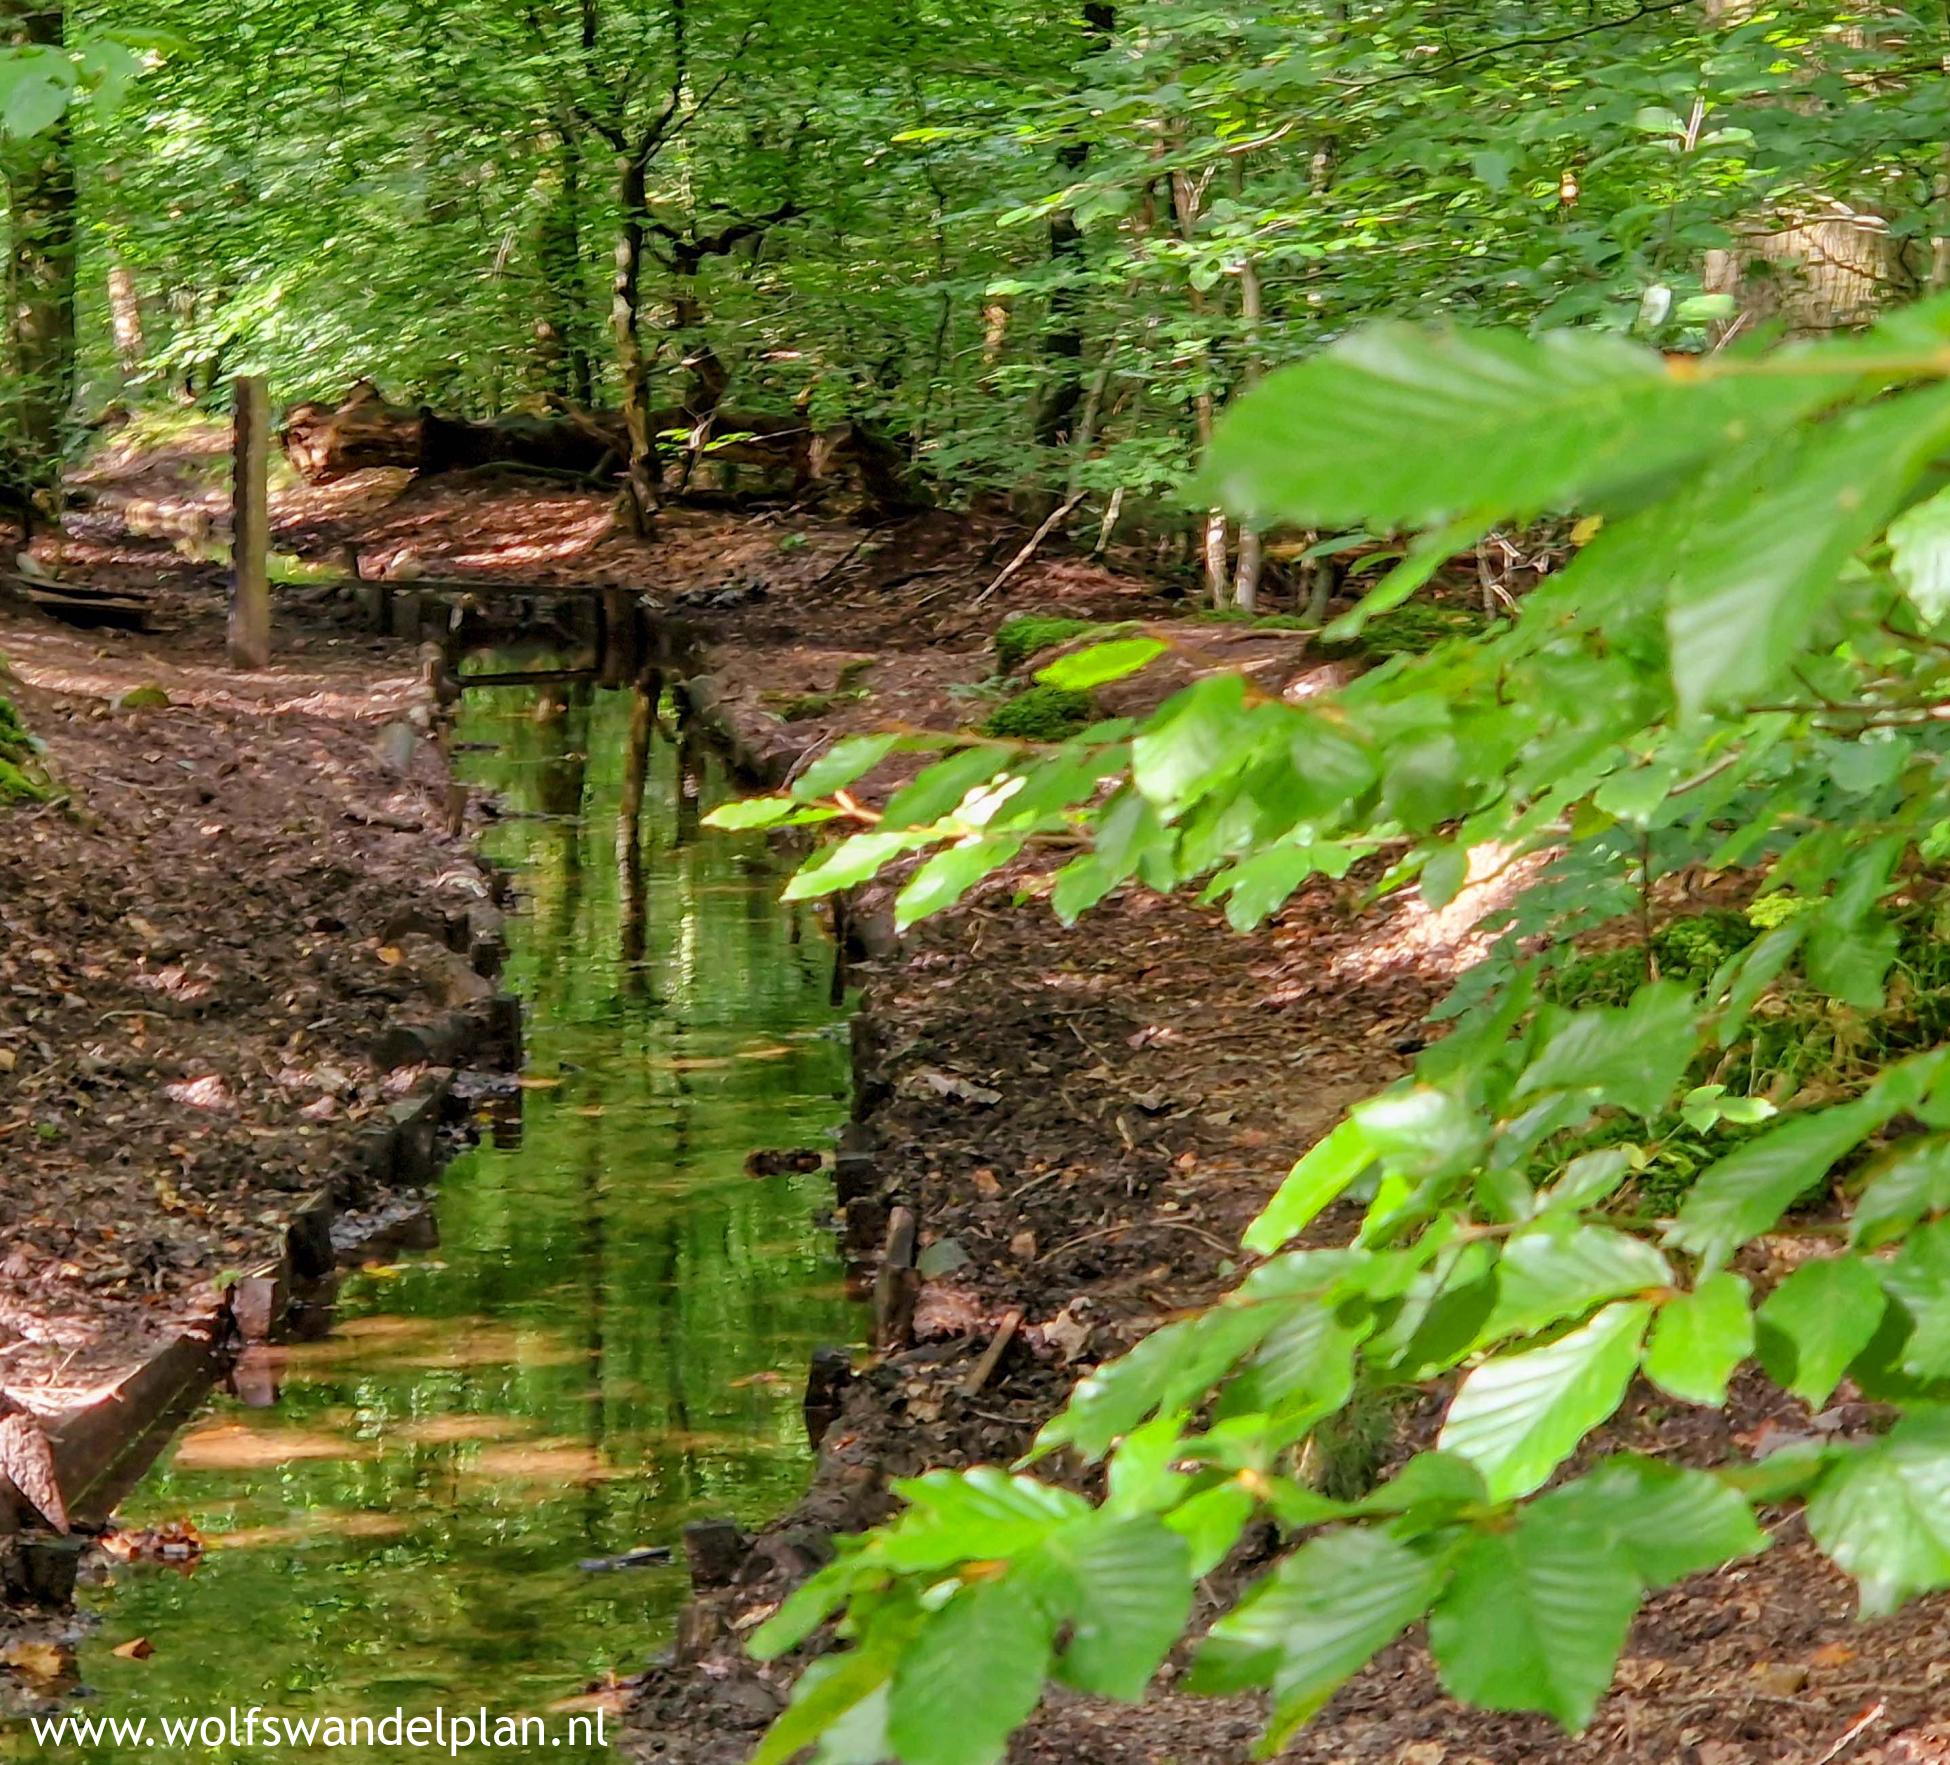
<point>1742,674</point>
<point>1040,248</point>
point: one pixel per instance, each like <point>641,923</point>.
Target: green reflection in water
<point>612,1337</point>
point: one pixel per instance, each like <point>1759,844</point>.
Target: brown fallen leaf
<point>45,1663</point>
<point>137,1648</point>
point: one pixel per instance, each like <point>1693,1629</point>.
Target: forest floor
<point>203,933</point>
<point>1082,1120</point>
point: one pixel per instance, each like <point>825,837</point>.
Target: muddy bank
<point>228,943</point>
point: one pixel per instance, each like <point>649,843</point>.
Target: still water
<point>610,1338</point>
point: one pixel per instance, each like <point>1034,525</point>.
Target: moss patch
<point>1258,621</point>
<point>1799,1048</point>
<point>21,776</point>
<point>1687,950</point>
<point>1042,714</point>
<point>1412,630</point>
<point>1029,634</point>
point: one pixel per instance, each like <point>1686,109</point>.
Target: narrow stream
<point>611,1336</point>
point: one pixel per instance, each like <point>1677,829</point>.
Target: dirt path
<point>202,937</point>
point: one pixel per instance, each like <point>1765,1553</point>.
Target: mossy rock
<point>144,698</point>
<point>1686,950</point>
<point>1042,714</point>
<point>1029,634</point>
<point>1412,630</point>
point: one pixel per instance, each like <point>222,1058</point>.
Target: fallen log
<point>363,431</point>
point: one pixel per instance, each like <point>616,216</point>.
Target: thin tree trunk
<point>1252,551</point>
<point>125,321</point>
<point>564,355</point>
<point>639,500</point>
<point>40,281</point>
<point>1187,201</point>
<point>1063,347</point>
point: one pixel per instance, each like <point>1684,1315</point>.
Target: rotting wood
<point>827,1377</point>
<point>82,604</point>
<point>853,1164</point>
<point>898,1285</point>
<point>984,1369</point>
<point>324,442</point>
<point>715,1551</point>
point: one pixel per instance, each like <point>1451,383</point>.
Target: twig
<point>1853,1733</point>
<point>846,557</point>
<point>984,1369</point>
<point>1051,523</point>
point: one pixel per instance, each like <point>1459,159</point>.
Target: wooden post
<point>250,524</point>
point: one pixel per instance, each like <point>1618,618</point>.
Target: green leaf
<point>1631,1055</point>
<point>1849,958</point>
<point>1700,1337</point>
<point>950,874</point>
<point>1303,1366</point>
<point>822,1699</point>
<point>35,102</point>
<point>1210,1524</point>
<point>1759,557</point>
<point>803,1610</point>
<point>1101,663</point>
<point>1534,1617</point>
<point>1171,1367</point>
<point>1743,1194</point>
<point>1548,1274</point>
<point>1912,1181</point>
<point>1518,1417</point>
<point>1883,1513</point>
<point>849,863</point>
<point>750,812</point>
<point>1193,740</point>
<point>1133,1597</point>
<point>1319,1179</point>
<point>846,760</point>
<point>942,787</point>
<point>1314,1622</point>
<point>1919,1279</point>
<point>1668,1522</point>
<point>1501,424</point>
<point>1590,1177</point>
<point>985,1513</point>
<point>1919,555</point>
<point>1422,1131</point>
<point>1429,1481</point>
<point>1817,1321</point>
<point>971,1676</point>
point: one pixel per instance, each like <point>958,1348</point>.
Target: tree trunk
<point>566,368</point>
<point>1063,347</point>
<point>1252,548</point>
<point>41,263</point>
<point>125,321</point>
<point>640,466</point>
<point>1187,202</point>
